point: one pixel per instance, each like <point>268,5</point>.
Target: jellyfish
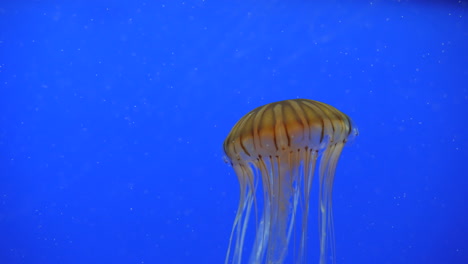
<point>274,150</point>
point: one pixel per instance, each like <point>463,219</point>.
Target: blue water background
<point>113,115</point>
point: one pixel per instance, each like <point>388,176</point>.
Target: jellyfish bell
<point>274,150</point>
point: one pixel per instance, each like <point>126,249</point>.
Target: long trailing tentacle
<point>327,170</point>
